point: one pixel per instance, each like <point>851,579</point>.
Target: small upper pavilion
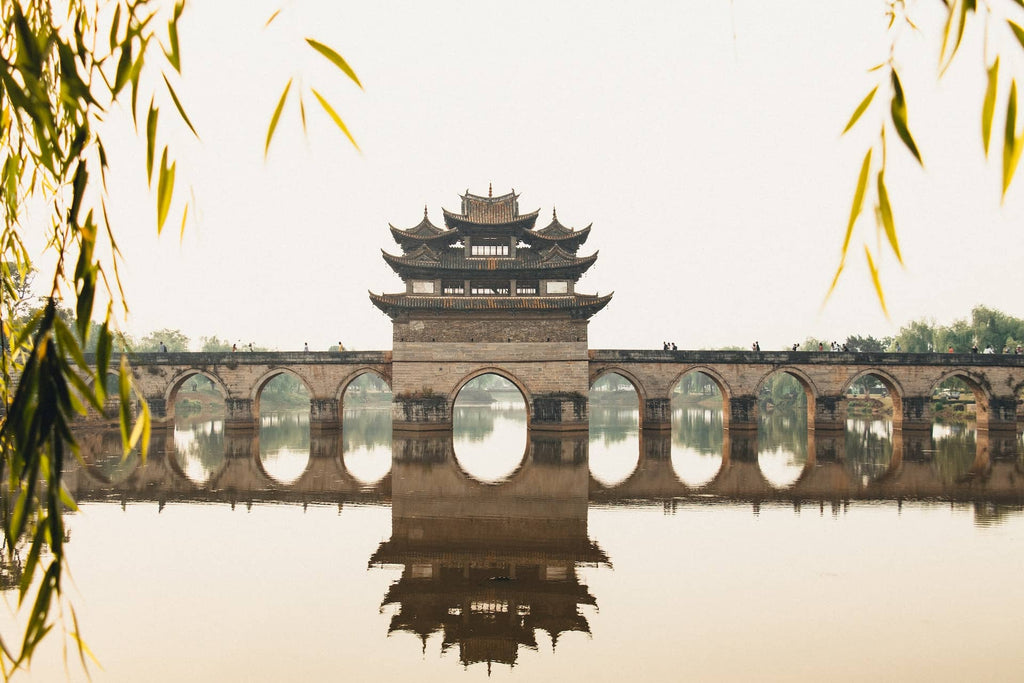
<point>489,257</point>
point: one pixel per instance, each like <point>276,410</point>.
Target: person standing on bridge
<point>306,347</point>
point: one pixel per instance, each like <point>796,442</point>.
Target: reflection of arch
<point>268,377</point>
<point>641,393</point>
<point>504,374</point>
<point>347,382</point>
<point>723,387</point>
<point>506,479</point>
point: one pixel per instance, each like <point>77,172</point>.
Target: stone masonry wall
<point>499,329</point>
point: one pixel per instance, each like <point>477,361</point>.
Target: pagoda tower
<point>490,293</point>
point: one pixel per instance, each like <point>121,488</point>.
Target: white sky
<point>700,138</point>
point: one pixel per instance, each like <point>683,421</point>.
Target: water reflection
<point>496,573</point>
<point>283,460</point>
<point>487,568</point>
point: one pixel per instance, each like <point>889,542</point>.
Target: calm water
<point>279,555</point>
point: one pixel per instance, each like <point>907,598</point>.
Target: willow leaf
<point>164,191</point>
<point>276,117</point>
<point>1011,145</point>
<point>989,106</point>
<point>860,109</point>
<point>1018,32</point>
<point>335,59</point>
<point>876,281</point>
<point>181,110</point>
<point>898,108</point>
<point>151,124</point>
<point>858,202</point>
<point>271,19</point>
<point>885,211</point>
<point>337,119</point>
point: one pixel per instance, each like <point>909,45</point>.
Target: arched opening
<point>366,427</point>
<point>697,427</point>
<point>195,402</point>
<point>614,428</point>
<point>872,403</point>
<point>784,405</point>
<point>282,402</point>
<point>489,427</point>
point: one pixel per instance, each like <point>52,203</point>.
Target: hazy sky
<point>701,139</point>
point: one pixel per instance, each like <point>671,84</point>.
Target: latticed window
<point>489,288</point>
<point>489,249</point>
<point>454,288</point>
<point>527,287</point>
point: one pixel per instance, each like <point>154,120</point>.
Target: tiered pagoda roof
<point>489,257</point>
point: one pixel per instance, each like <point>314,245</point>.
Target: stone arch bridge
<point>995,379</point>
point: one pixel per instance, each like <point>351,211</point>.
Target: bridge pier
<point>657,414</point>
<point>1001,415</point>
<point>742,413</point>
<point>238,414</point>
<point>420,412</point>
<point>915,414</point>
<point>829,414</point>
<point>324,413</point>
<point>562,411</point>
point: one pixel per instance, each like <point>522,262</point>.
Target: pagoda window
<point>488,248</point>
<point>558,287</point>
<point>422,287</point>
<point>489,289</point>
<point>457,287</point>
<point>527,287</point>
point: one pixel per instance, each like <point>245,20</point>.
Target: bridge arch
<point>353,376</point>
<point>810,389</point>
<point>891,384</point>
<point>712,374</point>
<point>178,381</point>
<point>265,379</point>
<point>500,372</point>
<point>638,386</point>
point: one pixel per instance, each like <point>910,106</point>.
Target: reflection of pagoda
<point>489,566</point>
<point>488,258</point>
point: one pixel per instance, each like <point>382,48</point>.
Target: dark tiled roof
<point>456,221</point>
<point>553,258</point>
<point>583,304</point>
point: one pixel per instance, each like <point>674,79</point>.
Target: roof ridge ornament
<point>424,210</point>
<point>490,189</point>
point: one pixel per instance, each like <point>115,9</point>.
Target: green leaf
<point>174,56</point>
<point>181,110</point>
<point>1011,145</point>
<point>858,202</point>
<point>1017,31</point>
<point>885,210</point>
<point>151,126</point>
<point>989,106</point>
<point>164,191</point>
<point>124,66</point>
<point>114,26</point>
<point>335,59</point>
<point>876,281</point>
<point>898,108</point>
<point>276,117</point>
<point>860,109</point>
<point>337,119</point>
<point>124,392</point>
